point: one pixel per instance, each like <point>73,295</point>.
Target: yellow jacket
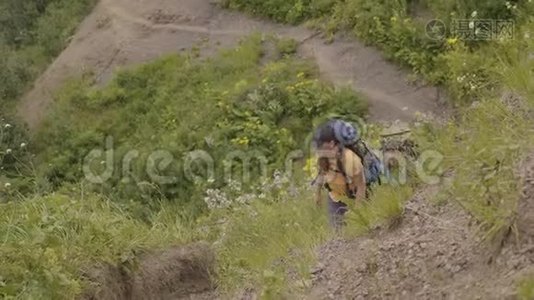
<point>334,178</point>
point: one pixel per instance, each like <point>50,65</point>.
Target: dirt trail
<point>125,32</point>
<point>435,253</point>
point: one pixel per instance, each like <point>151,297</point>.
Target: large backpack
<point>373,166</point>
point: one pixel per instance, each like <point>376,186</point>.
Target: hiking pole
<point>395,133</point>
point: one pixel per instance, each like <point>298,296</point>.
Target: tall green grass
<point>47,242</point>
<point>384,209</point>
<point>483,150</point>
<point>272,247</point>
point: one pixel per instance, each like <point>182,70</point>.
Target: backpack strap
<point>341,169</point>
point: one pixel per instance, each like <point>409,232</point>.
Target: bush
<point>230,104</point>
<point>32,33</point>
<point>293,11</point>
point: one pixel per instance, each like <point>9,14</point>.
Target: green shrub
<point>32,33</point>
<point>293,11</point>
<point>471,76</point>
<point>389,25</point>
<point>483,149</point>
<point>180,104</point>
<point>54,28</point>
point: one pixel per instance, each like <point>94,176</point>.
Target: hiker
<point>347,168</point>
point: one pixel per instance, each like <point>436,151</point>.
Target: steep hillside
<point>105,199</point>
<point>121,33</point>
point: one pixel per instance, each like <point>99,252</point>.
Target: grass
<point>48,241</point>
<point>271,247</point>
<point>32,33</point>
<point>526,288</point>
<point>267,243</point>
<point>251,108</point>
<point>485,144</point>
<point>384,209</point>
<point>245,106</point>
<point>483,150</point>
<point>466,67</point>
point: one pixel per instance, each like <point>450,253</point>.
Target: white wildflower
<point>244,199</point>
<point>7,185</point>
<point>8,151</point>
<point>216,199</point>
<point>279,179</point>
<point>474,14</point>
<point>23,145</point>
<point>471,25</point>
<point>234,185</point>
<point>7,126</point>
<point>253,213</point>
<point>508,5</point>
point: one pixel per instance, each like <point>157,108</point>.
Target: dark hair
<point>324,134</point>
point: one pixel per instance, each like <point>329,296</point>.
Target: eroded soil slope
<point>435,253</point>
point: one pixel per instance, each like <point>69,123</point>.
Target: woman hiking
<point>341,171</point>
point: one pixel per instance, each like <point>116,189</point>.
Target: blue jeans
<point>336,212</point>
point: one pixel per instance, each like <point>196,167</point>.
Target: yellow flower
<point>452,41</point>
<point>311,167</point>
<point>241,141</point>
<point>300,75</point>
<point>393,19</point>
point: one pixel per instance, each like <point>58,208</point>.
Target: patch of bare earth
<point>121,33</point>
<point>176,273</point>
<point>435,253</point>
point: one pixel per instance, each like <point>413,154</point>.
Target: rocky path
<point>435,253</point>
